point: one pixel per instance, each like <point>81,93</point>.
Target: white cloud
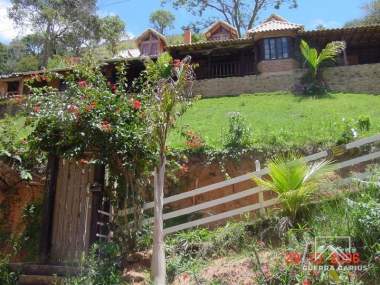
<point>329,24</point>
<point>8,29</point>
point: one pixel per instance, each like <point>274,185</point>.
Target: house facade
<point>271,47</point>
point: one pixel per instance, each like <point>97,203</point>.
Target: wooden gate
<point>72,201</point>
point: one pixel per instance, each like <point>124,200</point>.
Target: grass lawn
<point>279,120</point>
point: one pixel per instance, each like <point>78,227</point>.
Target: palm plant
<point>315,60</point>
<point>294,180</point>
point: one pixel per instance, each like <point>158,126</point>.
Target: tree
<point>162,20</point>
<point>33,44</point>
<point>320,27</point>
<point>315,60</point>
<point>242,14</point>
<point>3,58</point>
<point>169,85</point>
<point>53,19</point>
<point>112,30</point>
<point>372,15</point>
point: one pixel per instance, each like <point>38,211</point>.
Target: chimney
<point>187,35</point>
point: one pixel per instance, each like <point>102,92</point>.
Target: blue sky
<point>330,13</point>
<point>135,13</point>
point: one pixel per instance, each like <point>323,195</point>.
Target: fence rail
<point>8,95</point>
<point>252,191</point>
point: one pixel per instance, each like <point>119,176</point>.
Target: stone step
<point>39,280</point>
<point>44,269</point>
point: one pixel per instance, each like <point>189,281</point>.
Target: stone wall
<point>277,65</point>
<point>363,78</point>
<point>15,195</point>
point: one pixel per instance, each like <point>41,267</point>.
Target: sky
<point>135,13</point>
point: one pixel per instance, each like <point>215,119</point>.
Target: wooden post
<point>48,208</point>
<point>345,59</point>
<point>261,193</point>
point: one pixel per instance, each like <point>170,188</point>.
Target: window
<point>149,48</point>
<point>154,48</point>
<point>276,48</point>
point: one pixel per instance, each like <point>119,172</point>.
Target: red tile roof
<point>274,23</point>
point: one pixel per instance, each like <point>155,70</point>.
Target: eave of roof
<point>208,44</point>
<point>58,70</point>
<point>346,29</point>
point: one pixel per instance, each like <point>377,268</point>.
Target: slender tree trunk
<point>158,258</point>
<point>47,46</point>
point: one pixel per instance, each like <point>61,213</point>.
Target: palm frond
<point>294,180</point>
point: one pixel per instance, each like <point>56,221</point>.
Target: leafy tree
<point>294,181</point>
<point>242,14</point>
<point>3,58</point>
<point>112,30</point>
<point>320,27</point>
<point>372,15</point>
<point>33,44</point>
<point>54,19</point>
<point>27,63</point>
<point>162,20</point>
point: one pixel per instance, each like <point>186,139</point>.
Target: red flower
<point>306,282</point>
<point>176,63</point>
<point>136,105</point>
<point>293,258</point>
<point>82,83</point>
<point>105,126</point>
<point>91,107</point>
<point>73,109</point>
<point>37,109</point>
<point>84,161</point>
<point>113,88</point>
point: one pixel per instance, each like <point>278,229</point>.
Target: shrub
<point>14,147</point>
<point>194,141</point>
<point>349,132</point>
<point>364,123</point>
<point>238,134</point>
<point>100,267</point>
<point>294,181</point>
<point>7,277</point>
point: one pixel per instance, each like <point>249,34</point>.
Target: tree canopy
<point>112,30</point>
<point>64,27</point>
<point>242,14</point>
<point>372,15</point>
<point>162,20</point>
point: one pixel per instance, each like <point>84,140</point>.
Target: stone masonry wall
<point>277,65</point>
<point>363,78</point>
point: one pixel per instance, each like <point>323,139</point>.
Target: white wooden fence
<point>262,204</point>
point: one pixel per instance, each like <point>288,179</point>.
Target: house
<point>271,47</point>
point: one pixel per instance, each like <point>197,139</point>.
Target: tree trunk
<point>158,257</point>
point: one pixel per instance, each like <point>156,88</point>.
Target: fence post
<point>261,193</point>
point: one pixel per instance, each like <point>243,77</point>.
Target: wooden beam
<point>48,208</point>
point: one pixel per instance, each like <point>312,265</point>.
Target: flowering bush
<point>95,121</point>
